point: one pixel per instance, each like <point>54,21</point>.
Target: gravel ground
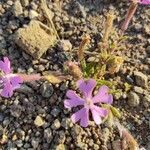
<point>35,118</point>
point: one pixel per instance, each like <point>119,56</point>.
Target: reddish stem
<point>29,78</point>
<point>129,16</point>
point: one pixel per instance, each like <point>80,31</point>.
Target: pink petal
<point>16,82</point>
<point>5,65</point>
<point>28,78</point>
<point>97,113</point>
<point>146,2</point>
<point>74,100</point>
<point>7,91</point>
<point>72,103</point>
<point>103,96</point>
<point>82,115</point>
<point>86,87</point>
<point>72,95</point>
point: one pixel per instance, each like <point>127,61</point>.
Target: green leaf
<point>101,82</point>
<point>89,70</point>
<point>127,87</point>
<point>115,112</point>
<point>110,119</point>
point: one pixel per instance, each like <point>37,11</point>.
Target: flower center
<point>88,102</point>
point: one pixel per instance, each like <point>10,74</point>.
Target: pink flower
<point>88,102</point>
<point>146,2</point>
<point>8,81</point>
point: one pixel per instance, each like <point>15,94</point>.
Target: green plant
<point>108,60</point>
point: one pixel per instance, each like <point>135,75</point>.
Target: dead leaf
<point>4,138</point>
<point>55,77</point>
<point>128,140</point>
<point>48,15</point>
<point>108,26</point>
<point>85,41</point>
<point>74,69</point>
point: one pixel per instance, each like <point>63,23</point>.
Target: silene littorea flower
<point>88,102</point>
<point>146,2</point>
<point>8,81</point>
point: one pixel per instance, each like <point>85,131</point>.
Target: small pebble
<point>146,101</point>
<point>141,79</point>
<point>138,90</point>
<point>56,125</point>
<point>35,143</point>
<point>65,45</point>
<point>133,99</point>
<point>24,2</point>
<point>16,110</point>
<point>39,121</point>
<point>55,112</point>
<point>33,14</point>
<point>48,135</point>
<point>46,90</point>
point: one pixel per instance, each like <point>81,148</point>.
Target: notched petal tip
<point>7,91</point>
<point>110,99</point>
<point>66,104</point>
<point>79,82</point>
<point>86,87</point>
<point>5,65</point>
<point>105,112</point>
<point>84,125</point>
<point>82,115</point>
<point>105,87</point>
<point>6,59</point>
<point>75,118</point>
<point>103,96</point>
<point>98,113</point>
<point>73,100</point>
<point>70,93</point>
<point>82,82</point>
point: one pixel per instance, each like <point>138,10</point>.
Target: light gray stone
<point>55,112</point>
<point>46,90</point>
<point>65,45</point>
<point>140,79</point>
<point>24,2</point>
<point>16,110</point>
<point>133,99</point>
<point>35,143</point>
<point>56,125</point>
<point>33,14</point>
<point>17,8</point>
<point>48,135</point>
<point>146,101</point>
<point>138,90</point>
